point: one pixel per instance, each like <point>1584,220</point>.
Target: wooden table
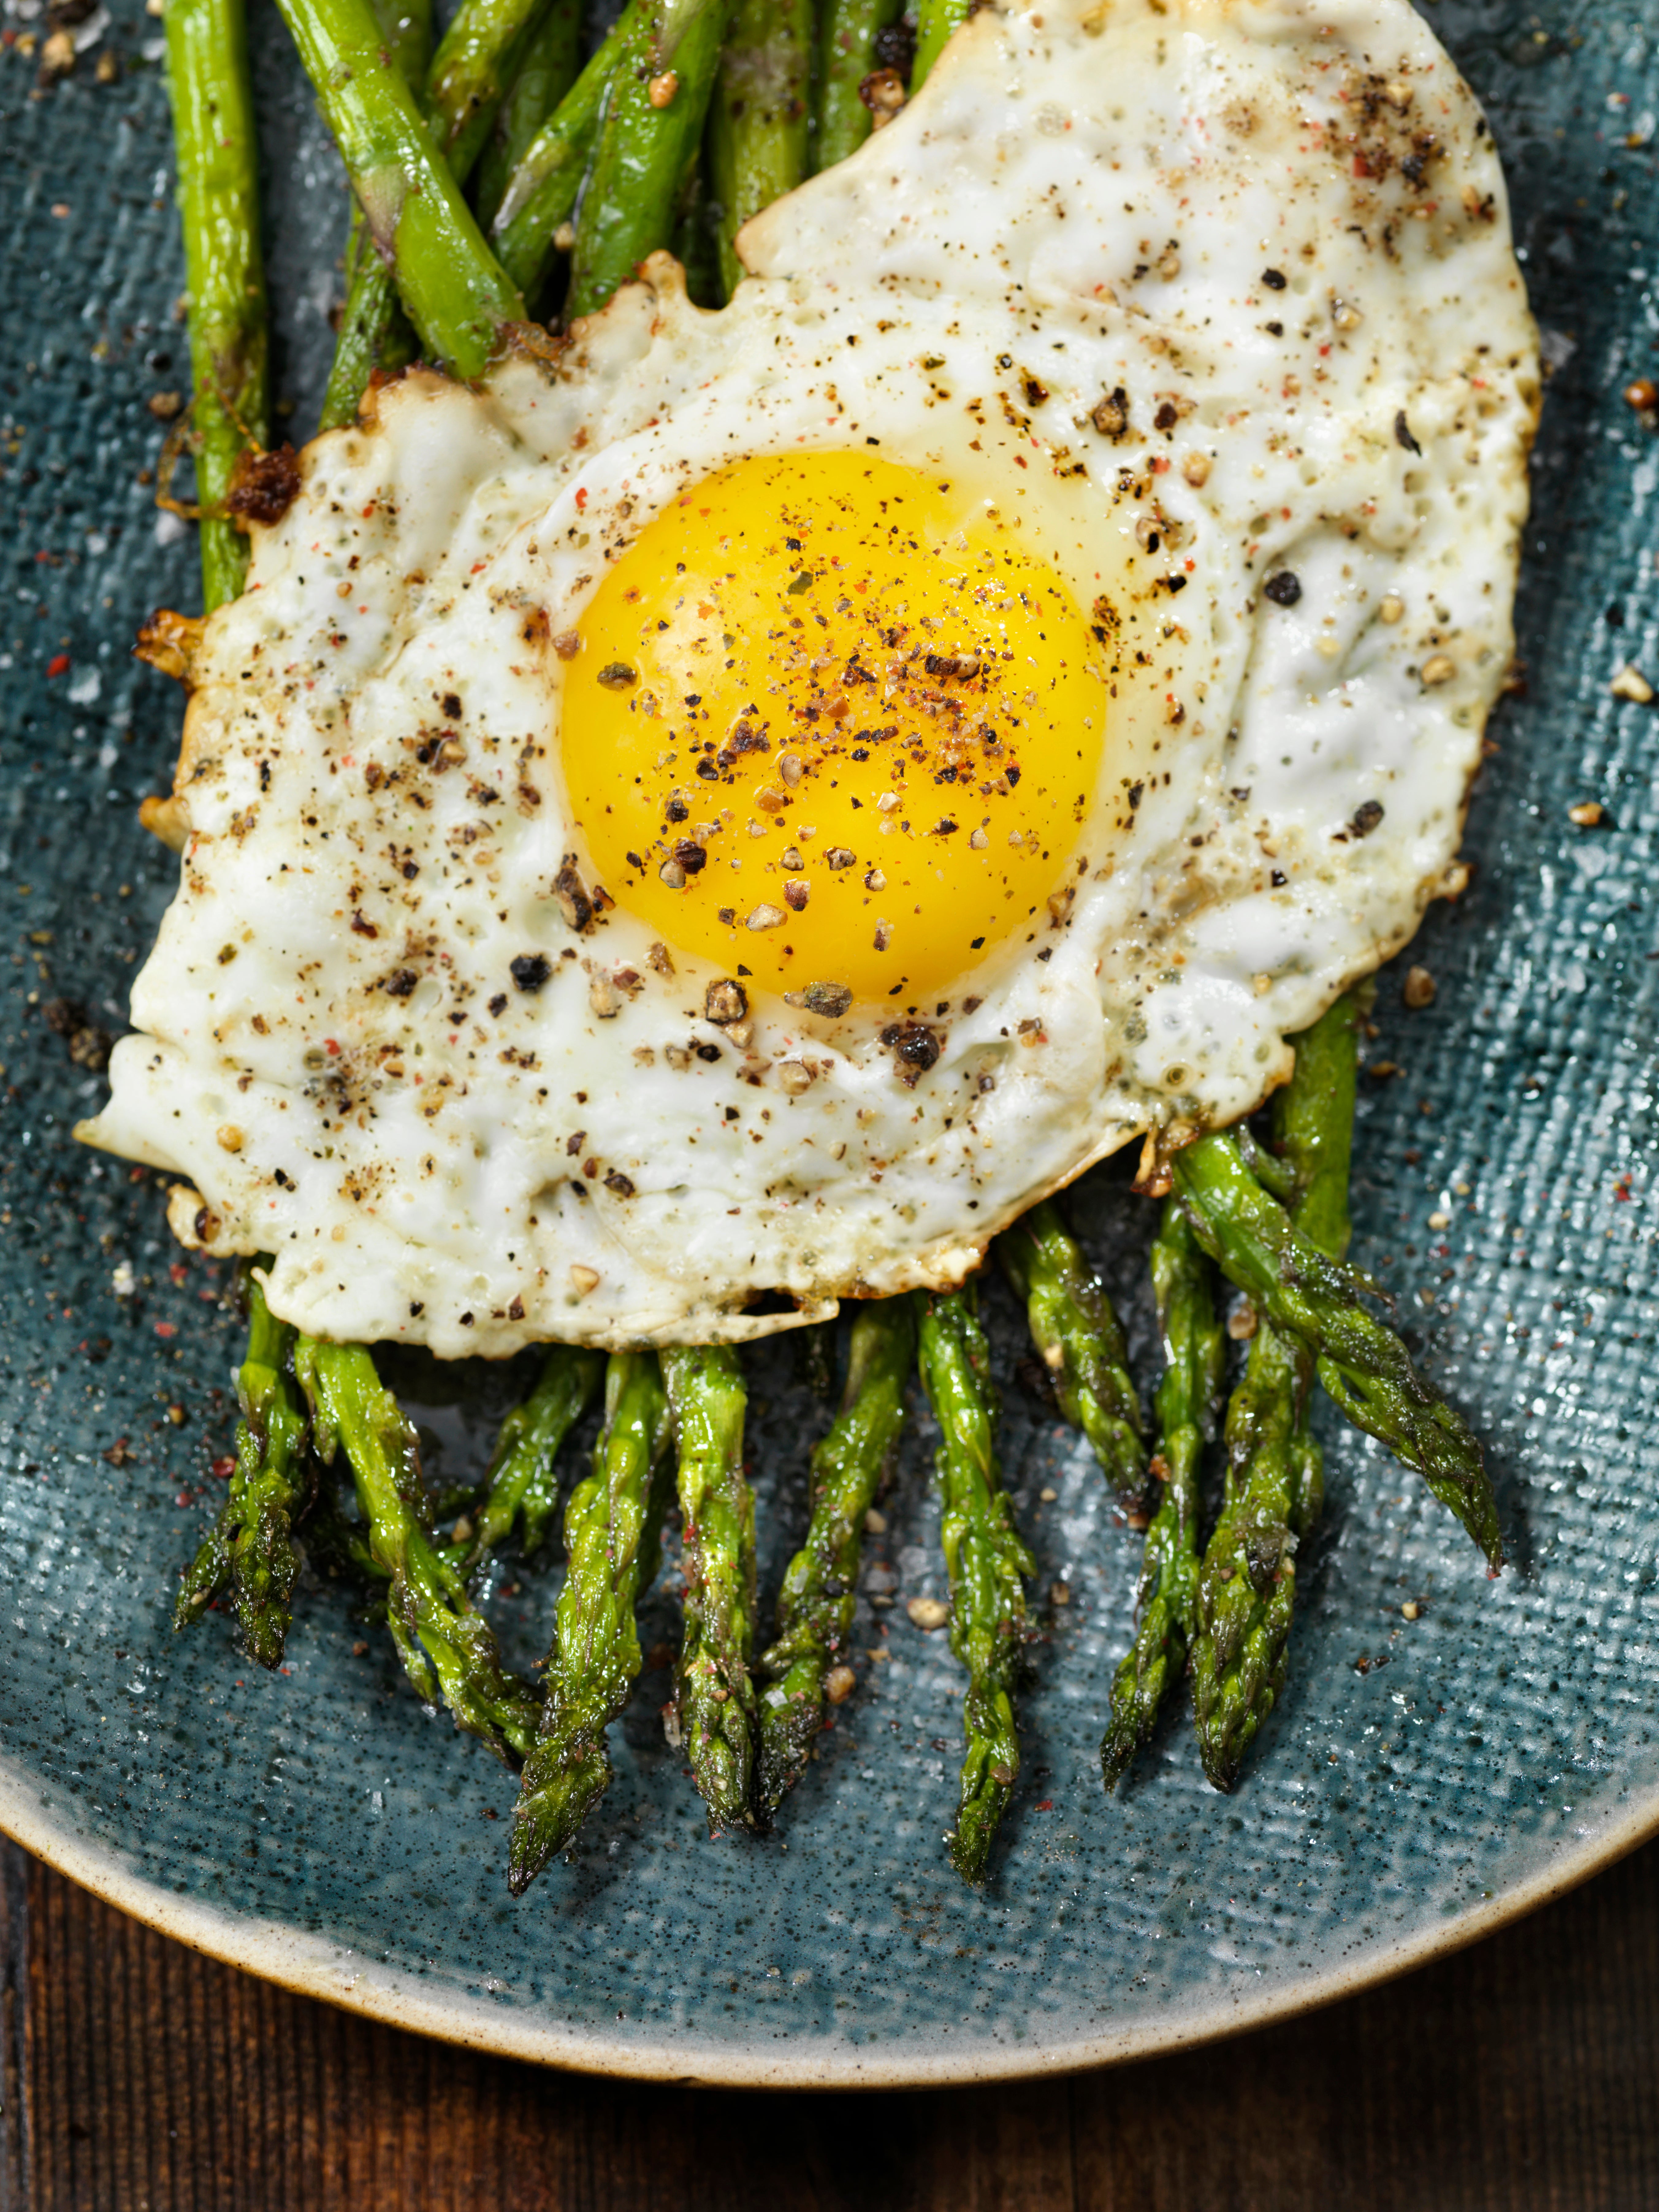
<point>139,2077</point>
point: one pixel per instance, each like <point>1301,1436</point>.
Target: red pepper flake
<point>222,1469</point>
<point>581,499</point>
<point>1045,1804</point>
<point>476,568</point>
<point>58,665</point>
<point>331,1048</point>
<point>177,1272</point>
<point>1622,1191</point>
<point>165,1328</point>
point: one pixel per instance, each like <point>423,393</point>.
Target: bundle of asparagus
<point>479,172</point>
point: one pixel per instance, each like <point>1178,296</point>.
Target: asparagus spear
<point>986,1559</point>
<point>653,119</point>
<point>250,1546</point>
<point>1080,1343</point>
<point>1194,1357</point>
<point>468,79</point>
<point>542,192</point>
<point>1362,1362</point>
<point>820,1585</point>
<point>523,1483</point>
<point>757,121</point>
<point>846,54</point>
<point>373,331</point>
<point>546,67</point>
<point>1247,1587</point>
<point>612,1531</point>
<point>935,20</point>
<point>707,1398</point>
<point>460,93</point>
<point>446,1646</point>
<point>458,297</point>
<point>218,203</point>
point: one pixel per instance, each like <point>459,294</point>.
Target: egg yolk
<point>827,724</point>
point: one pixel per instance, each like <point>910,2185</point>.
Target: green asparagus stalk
<point>1080,1342</point>
<point>276,1487</point>
<point>846,54</point>
<point>374,332</point>
<point>546,67</point>
<point>1194,1363</point>
<point>986,1559</point>
<point>1361,1363</point>
<point>542,192</point>
<point>445,1644</point>
<point>935,20</point>
<point>459,92</point>
<point>612,1531</point>
<point>522,1484</point>
<point>820,1585</point>
<point>459,299</point>
<point>218,204</point>
<point>654,118</point>
<point>1247,1584</point>
<point>707,1398</point>
<point>757,121</point>
<point>1247,1587</point>
<point>469,75</point>
<point>251,1546</point>
<point>339,1548</point>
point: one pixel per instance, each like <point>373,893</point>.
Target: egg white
<point>1083,201</point>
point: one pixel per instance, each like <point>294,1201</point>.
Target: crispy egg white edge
<point>1179,965</point>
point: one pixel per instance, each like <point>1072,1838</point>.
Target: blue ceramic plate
<point>1424,1778</point>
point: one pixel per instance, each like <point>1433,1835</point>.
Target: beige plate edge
<point>313,1966</point>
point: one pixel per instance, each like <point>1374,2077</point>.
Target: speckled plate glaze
<point>1422,1781</point>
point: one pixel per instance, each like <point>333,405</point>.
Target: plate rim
<point>393,1996</point>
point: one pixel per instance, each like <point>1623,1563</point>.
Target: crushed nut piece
<point>1418,989</point>
<point>929,1612</point>
<point>1629,683</point>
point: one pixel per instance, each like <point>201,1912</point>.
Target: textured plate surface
<point>317,1825</point>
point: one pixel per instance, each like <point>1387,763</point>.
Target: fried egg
<point>721,819</point>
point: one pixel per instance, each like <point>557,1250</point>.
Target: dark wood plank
<point>1522,2076</point>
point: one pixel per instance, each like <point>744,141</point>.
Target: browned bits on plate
<point>1588,814</point>
<point>264,485</point>
<point>1419,988</point>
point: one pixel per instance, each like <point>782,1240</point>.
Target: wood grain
<point>1521,2076</point>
